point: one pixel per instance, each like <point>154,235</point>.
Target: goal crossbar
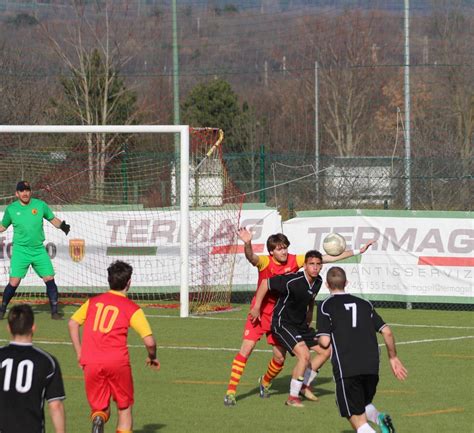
<point>183,131</point>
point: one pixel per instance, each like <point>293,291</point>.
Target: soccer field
<point>187,394</point>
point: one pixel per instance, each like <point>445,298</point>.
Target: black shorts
<point>354,393</point>
<point>289,336</point>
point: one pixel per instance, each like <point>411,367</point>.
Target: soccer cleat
<point>229,400</point>
<point>308,394</point>
<point>385,423</point>
<point>98,424</point>
<point>294,401</point>
<point>56,316</point>
<point>264,390</point>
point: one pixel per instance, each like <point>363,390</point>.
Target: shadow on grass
<point>150,428</point>
<point>281,385</point>
<point>44,308</point>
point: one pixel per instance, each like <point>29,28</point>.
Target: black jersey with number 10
<point>352,324</point>
<point>28,377</point>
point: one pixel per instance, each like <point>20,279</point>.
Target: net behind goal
<point>129,193</point>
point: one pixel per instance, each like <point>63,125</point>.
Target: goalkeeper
<point>26,215</point>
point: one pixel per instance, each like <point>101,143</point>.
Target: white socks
<point>372,413</point>
<point>365,428</point>
<point>295,386</point>
<point>309,376</point>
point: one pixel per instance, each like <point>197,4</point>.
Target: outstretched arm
<point>246,237</point>
<point>398,369</point>
<point>56,222</point>
<point>349,253</point>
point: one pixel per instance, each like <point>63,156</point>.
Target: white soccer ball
<point>334,244</point>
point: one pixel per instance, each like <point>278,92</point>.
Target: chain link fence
<point>302,182</point>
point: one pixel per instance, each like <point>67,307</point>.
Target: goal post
<point>196,146</point>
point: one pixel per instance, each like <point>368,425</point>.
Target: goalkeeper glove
<point>65,227</point>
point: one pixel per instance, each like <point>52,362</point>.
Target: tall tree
<point>215,104</point>
<point>94,92</point>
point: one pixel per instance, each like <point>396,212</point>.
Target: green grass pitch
<point>186,395</point>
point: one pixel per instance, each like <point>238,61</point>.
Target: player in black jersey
<point>28,376</point>
<point>349,324</point>
<point>292,316</point>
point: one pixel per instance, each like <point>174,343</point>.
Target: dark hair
<point>119,275</point>
<point>313,254</point>
<point>21,320</point>
<point>336,278</point>
<point>275,240</point>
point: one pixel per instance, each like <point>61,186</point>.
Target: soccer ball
<point>334,244</point>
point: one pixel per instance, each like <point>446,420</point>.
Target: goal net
<point>131,193</point>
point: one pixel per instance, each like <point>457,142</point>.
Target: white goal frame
<point>183,131</point>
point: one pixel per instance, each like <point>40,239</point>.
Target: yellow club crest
<point>77,249</point>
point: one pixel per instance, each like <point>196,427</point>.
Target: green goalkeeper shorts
<point>24,257</point>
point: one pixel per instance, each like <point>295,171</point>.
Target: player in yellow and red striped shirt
<point>103,352</point>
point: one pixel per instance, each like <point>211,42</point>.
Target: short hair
<point>277,239</point>
<point>119,274</point>
<point>21,320</point>
<point>336,278</point>
<point>313,254</point>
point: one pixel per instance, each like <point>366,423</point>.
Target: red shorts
<point>255,331</point>
<point>108,380</point>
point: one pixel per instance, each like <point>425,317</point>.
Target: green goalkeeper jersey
<point>27,221</point>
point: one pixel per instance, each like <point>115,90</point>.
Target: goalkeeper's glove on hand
<point>65,227</point>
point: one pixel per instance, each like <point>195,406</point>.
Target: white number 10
<point>352,307</point>
<point>24,375</point>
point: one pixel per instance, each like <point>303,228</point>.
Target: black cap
<point>22,185</point>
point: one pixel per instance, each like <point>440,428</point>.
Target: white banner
<point>413,256</point>
<point>149,240</point>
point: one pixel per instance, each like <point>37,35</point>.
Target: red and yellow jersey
<point>268,267</point>
<point>106,319</point>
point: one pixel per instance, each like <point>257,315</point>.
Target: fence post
<point>263,198</point>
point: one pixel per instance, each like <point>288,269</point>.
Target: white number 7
<point>352,307</point>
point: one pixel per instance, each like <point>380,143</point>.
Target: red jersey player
<point>277,262</point>
<point>103,352</point>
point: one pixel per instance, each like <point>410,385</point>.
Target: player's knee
<point>247,348</point>
<point>304,356</point>
<point>278,358</point>
<point>14,282</point>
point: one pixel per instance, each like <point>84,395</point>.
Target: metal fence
<point>291,182</point>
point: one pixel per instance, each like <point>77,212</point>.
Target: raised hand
<point>367,245</point>
<point>244,234</point>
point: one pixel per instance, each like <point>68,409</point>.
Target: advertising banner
<point>416,257</point>
<point>149,240</point>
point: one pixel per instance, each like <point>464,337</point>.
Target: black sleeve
<point>323,322</point>
<point>277,284</point>
<point>55,386</point>
<point>377,321</point>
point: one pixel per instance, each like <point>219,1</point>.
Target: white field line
<point>430,326</point>
<point>228,349</point>
<point>237,319</point>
